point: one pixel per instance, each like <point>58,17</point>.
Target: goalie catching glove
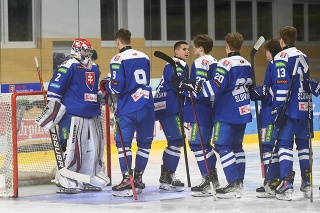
<point>180,83</point>
<point>51,115</point>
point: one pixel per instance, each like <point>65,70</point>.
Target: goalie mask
<point>82,51</point>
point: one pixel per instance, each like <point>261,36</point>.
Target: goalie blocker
<point>51,115</point>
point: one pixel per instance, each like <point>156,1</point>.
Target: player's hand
<point>311,86</point>
<point>103,83</point>
<point>259,92</point>
<point>103,98</point>
<point>279,118</point>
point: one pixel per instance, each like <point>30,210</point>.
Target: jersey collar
<point>125,48</point>
<point>233,54</point>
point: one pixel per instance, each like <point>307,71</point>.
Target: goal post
<point>26,150</point>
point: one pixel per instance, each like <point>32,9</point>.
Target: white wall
<point>60,18</point>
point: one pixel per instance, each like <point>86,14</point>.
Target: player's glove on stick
<point>194,86</point>
<point>259,92</point>
<point>279,118</point>
<point>311,86</point>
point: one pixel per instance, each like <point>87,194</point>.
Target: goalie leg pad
<point>51,115</point>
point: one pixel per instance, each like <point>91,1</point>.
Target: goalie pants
<point>85,144</point>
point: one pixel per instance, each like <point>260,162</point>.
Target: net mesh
<point>36,162</point>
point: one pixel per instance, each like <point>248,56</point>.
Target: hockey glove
<point>103,83</point>
<point>311,86</point>
<point>176,80</point>
<point>279,118</point>
<point>103,98</point>
<point>259,92</point>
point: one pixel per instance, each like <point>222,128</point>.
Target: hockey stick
<point>255,48</point>
<point>286,101</point>
<point>200,136</point>
<point>56,145</point>
<point>169,60</point>
<point>123,149</point>
<point>306,69</point>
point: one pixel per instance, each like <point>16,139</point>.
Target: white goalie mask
<point>82,50</point>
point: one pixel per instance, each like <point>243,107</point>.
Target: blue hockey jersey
<point>165,98</point>
<point>229,85</point>
<point>201,70</point>
<point>76,87</point>
<point>265,112</point>
<point>130,79</point>
<point>283,70</point>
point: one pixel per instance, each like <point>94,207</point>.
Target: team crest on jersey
<point>283,54</point>
<point>117,57</point>
<point>205,62</point>
<point>226,63</point>
<point>90,78</point>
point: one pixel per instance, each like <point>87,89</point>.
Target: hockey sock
<point>122,161</point>
<point>228,161</point>
<point>241,162</point>
<point>285,161</point>
<point>274,167</point>
<point>303,155</point>
<point>171,157</point>
<point>211,159</point>
<point>142,158</point>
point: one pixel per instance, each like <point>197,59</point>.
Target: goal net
<point>26,151</point>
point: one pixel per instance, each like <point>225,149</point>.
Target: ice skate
<point>138,184</point>
<point>261,192</point>
<point>232,190</point>
<point>62,190</point>
<point>285,189</point>
<point>90,188</point>
<point>123,189</point>
<point>169,182</point>
<point>204,189</point>
<point>305,183</point>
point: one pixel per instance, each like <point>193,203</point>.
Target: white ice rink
<point>44,199</point>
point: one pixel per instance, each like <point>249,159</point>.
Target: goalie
<point>74,106</point>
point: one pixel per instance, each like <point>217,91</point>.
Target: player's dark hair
<point>235,41</point>
<point>288,35</point>
<point>123,35</point>
<point>273,46</point>
<point>205,41</point>
<point>178,44</point>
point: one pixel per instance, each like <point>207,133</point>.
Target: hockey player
<point>201,70</point>
<point>130,79</point>
<point>272,47</point>
<point>231,113</point>
<point>75,86</point>
<point>167,112</point>
<point>293,123</point>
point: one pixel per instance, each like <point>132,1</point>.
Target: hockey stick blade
<point>165,57</point>
<point>74,175</point>
<point>257,45</point>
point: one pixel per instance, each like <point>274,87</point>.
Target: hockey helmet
<point>82,50</point>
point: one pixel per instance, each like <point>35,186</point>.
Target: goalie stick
<point>253,52</point>
<point>286,101</point>
<point>56,145</point>
<point>168,59</point>
<point>123,149</point>
<point>200,136</point>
